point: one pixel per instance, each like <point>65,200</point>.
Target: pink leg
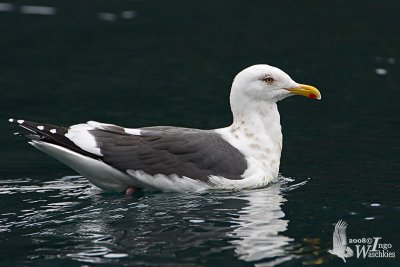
<point>130,190</point>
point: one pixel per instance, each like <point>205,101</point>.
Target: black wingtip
<point>39,128</point>
<point>33,134</point>
<point>18,121</point>
<point>50,134</point>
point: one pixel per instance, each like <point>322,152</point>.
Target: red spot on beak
<point>312,96</point>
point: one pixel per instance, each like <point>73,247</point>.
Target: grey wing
<point>339,235</point>
<point>192,153</point>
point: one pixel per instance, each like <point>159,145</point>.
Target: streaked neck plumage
<point>260,124</point>
<point>256,131</point>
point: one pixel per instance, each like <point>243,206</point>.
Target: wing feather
<point>339,235</point>
<point>196,154</point>
<point>193,153</point>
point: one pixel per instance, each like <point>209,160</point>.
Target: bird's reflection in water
<point>259,235</point>
<point>261,226</point>
<point>249,223</point>
<point>150,228</point>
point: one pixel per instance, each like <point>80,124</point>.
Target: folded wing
<point>193,153</point>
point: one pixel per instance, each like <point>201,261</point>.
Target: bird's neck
<point>262,118</point>
<point>257,131</point>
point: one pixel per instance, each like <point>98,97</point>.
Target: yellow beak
<point>306,90</point>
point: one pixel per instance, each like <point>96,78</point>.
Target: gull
<point>245,154</point>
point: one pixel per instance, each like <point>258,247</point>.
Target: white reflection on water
<point>107,16</point>
<point>381,71</point>
<point>261,226</point>
<point>50,11</point>
<point>41,210</point>
<point>6,7</point>
<point>128,14</point>
<point>39,10</point>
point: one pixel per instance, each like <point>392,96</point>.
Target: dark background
<point>173,64</point>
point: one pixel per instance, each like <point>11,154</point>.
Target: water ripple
<point>68,219</point>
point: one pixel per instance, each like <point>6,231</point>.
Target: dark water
<point>142,63</point>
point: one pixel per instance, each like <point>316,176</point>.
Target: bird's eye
<point>268,80</point>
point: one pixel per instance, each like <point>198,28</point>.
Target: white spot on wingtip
<point>20,121</point>
<point>11,120</point>
<point>53,131</point>
<point>40,127</point>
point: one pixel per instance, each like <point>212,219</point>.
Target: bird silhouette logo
<point>340,247</point>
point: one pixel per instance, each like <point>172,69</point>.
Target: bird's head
<point>268,84</point>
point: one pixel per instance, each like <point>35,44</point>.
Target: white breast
<point>260,141</point>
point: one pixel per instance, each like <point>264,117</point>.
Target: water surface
<point>144,63</point>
